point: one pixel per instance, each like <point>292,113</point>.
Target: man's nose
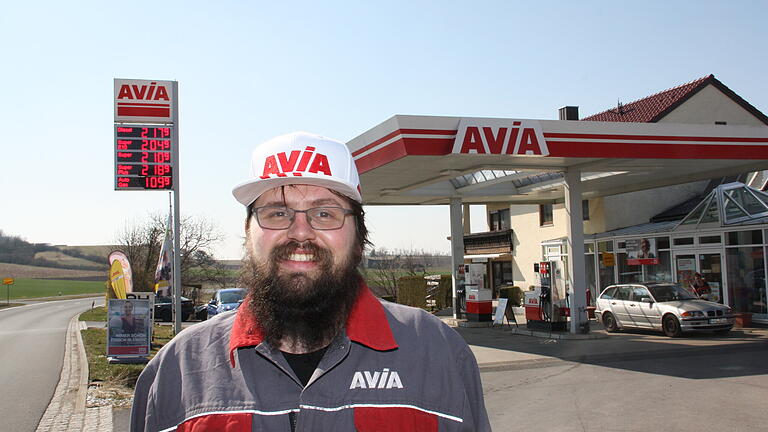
<point>300,230</point>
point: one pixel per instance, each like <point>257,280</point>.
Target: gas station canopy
<point>429,160</point>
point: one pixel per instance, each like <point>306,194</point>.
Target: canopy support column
<point>457,248</point>
<point>577,280</point>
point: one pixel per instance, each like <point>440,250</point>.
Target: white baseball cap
<point>300,158</point>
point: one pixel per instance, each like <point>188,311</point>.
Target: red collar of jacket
<point>367,324</point>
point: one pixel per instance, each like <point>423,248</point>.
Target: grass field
<point>35,272</point>
<point>32,288</point>
<point>113,383</point>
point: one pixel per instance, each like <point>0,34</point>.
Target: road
<point>32,339</point>
<point>707,389</point>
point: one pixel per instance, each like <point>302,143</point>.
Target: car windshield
<point>665,293</point>
<point>232,296</point>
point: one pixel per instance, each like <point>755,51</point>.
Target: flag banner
<point>164,271</point>
<point>127,275</point>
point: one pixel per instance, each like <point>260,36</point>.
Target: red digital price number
<point>142,132</point>
<point>145,144</point>
<point>143,157</point>
<point>144,170</point>
<point>144,183</point>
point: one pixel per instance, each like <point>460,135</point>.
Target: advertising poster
<point>642,251</point>
<point>129,329</point>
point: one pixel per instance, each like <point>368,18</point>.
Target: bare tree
<point>142,242</point>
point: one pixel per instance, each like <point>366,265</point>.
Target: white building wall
<point>527,238</point>
<point>708,106</point>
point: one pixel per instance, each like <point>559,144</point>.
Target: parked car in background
<point>163,306</point>
<point>660,306</point>
<point>226,299</point>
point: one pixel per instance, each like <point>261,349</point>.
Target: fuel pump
<point>544,306</point>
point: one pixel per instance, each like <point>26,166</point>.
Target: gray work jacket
<point>392,368</point>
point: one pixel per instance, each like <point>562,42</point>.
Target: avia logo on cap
<point>296,163</point>
<point>376,380</point>
<point>520,138</point>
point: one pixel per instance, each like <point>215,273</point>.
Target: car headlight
<point>693,314</point>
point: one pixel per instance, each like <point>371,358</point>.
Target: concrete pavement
<point>498,348</point>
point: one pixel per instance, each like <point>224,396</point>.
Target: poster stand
<point>504,310</point>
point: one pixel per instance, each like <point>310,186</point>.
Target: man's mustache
<point>284,251</point>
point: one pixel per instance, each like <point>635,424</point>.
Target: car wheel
<point>671,326</point>
<point>609,322</point>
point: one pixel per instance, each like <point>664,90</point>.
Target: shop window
<point>683,241</point>
<point>662,271</point>
<point>589,248</point>
<point>605,246</point>
<point>546,214</point>
<point>662,242</point>
<point>710,239</point>
<point>744,237</point>
<point>589,267</point>
<point>628,273</point>
<point>585,210</point>
<point>746,279</point>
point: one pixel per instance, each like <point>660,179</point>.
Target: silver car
<point>660,306</point>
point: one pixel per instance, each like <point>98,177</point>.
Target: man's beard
<point>295,308</point>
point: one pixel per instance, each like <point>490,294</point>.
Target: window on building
<point>585,210</point>
<point>499,220</point>
<point>502,272</point>
<point>546,214</point>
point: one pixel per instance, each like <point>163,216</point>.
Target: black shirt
<point>304,365</point>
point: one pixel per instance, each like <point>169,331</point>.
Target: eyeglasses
<point>319,218</point>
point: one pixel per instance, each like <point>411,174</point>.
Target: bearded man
<point>310,348</point>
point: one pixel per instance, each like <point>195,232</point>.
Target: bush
<point>444,297</point>
<point>412,291</point>
<point>513,293</point>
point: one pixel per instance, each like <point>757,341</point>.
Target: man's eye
<point>325,213</point>
<point>276,213</point>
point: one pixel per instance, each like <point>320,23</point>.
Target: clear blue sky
<point>250,70</point>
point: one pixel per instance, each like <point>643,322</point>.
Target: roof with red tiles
<point>653,108</point>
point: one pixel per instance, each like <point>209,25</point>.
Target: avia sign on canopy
<point>421,159</point>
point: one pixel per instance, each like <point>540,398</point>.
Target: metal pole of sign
<point>176,213</point>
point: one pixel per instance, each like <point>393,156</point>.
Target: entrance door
<point>708,264</point>
<point>711,269</point>
<point>685,267</point>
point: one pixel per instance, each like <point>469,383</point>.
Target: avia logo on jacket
<point>378,380</point>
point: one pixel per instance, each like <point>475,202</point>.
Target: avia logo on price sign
<point>500,137</point>
<point>143,101</point>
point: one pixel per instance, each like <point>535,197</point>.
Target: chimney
<point>569,113</point>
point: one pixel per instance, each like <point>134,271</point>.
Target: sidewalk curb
<point>67,411</point>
